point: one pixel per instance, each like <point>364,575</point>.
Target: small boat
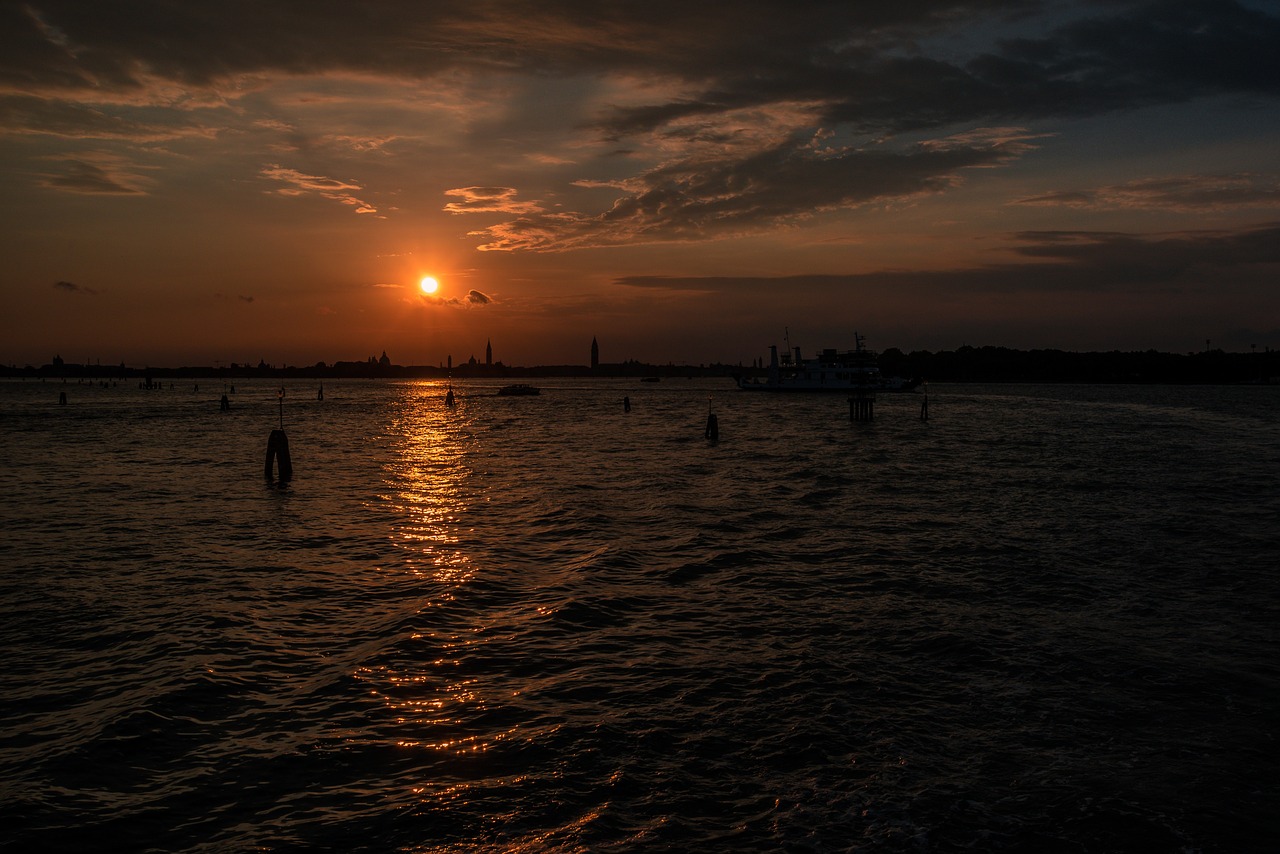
<point>518,390</point>
<point>853,370</point>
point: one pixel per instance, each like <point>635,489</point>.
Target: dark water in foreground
<point>1043,621</point>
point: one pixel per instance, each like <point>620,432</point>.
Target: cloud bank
<point>1058,261</point>
<point>702,123</point>
<point>1181,193</point>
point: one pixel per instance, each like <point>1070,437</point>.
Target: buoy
<point>278,450</point>
<point>320,393</point>
<point>448,397</point>
<point>225,406</point>
<point>924,406</point>
<point>626,404</point>
<point>62,398</point>
<point>713,428</point>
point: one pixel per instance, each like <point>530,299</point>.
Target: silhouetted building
<point>488,352</point>
<point>595,354</point>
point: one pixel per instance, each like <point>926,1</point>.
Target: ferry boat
<point>853,370</point>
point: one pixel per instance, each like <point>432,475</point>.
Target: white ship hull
<point>853,371</point>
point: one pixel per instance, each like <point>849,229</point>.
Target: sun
<point>429,285</point>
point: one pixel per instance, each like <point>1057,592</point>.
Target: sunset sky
<point>191,183</point>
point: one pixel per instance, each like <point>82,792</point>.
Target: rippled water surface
<point>1043,620</point>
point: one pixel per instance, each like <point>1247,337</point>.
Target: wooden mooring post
<point>278,449</point>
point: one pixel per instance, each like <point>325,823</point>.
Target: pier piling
<point>862,406</point>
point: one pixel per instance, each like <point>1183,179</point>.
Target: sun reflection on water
<point>426,480</point>
<point>433,700</point>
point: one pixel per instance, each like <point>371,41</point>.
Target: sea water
<point>1042,620</point>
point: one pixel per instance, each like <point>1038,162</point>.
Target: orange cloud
<point>299,183</point>
<point>488,200</point>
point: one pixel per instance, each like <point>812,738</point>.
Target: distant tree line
<point>1002,364</point>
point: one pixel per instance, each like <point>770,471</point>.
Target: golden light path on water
<point>457,723</point>
<point>426,481</point>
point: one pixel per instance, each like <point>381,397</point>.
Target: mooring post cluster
<point>861,409</point>
<point>862,406</point>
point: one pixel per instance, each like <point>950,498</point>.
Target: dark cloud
<point>69,44</point>
<point>29,115</point>
<point>1184,193</point>
<point>1148,53</point>
<point>78,176</point>
<point>697,199</point>
<point>1062,261</point>
<point>862,62</point>
<point>473,297</point>
<point>72,287</point>
<point>1140,261</point>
